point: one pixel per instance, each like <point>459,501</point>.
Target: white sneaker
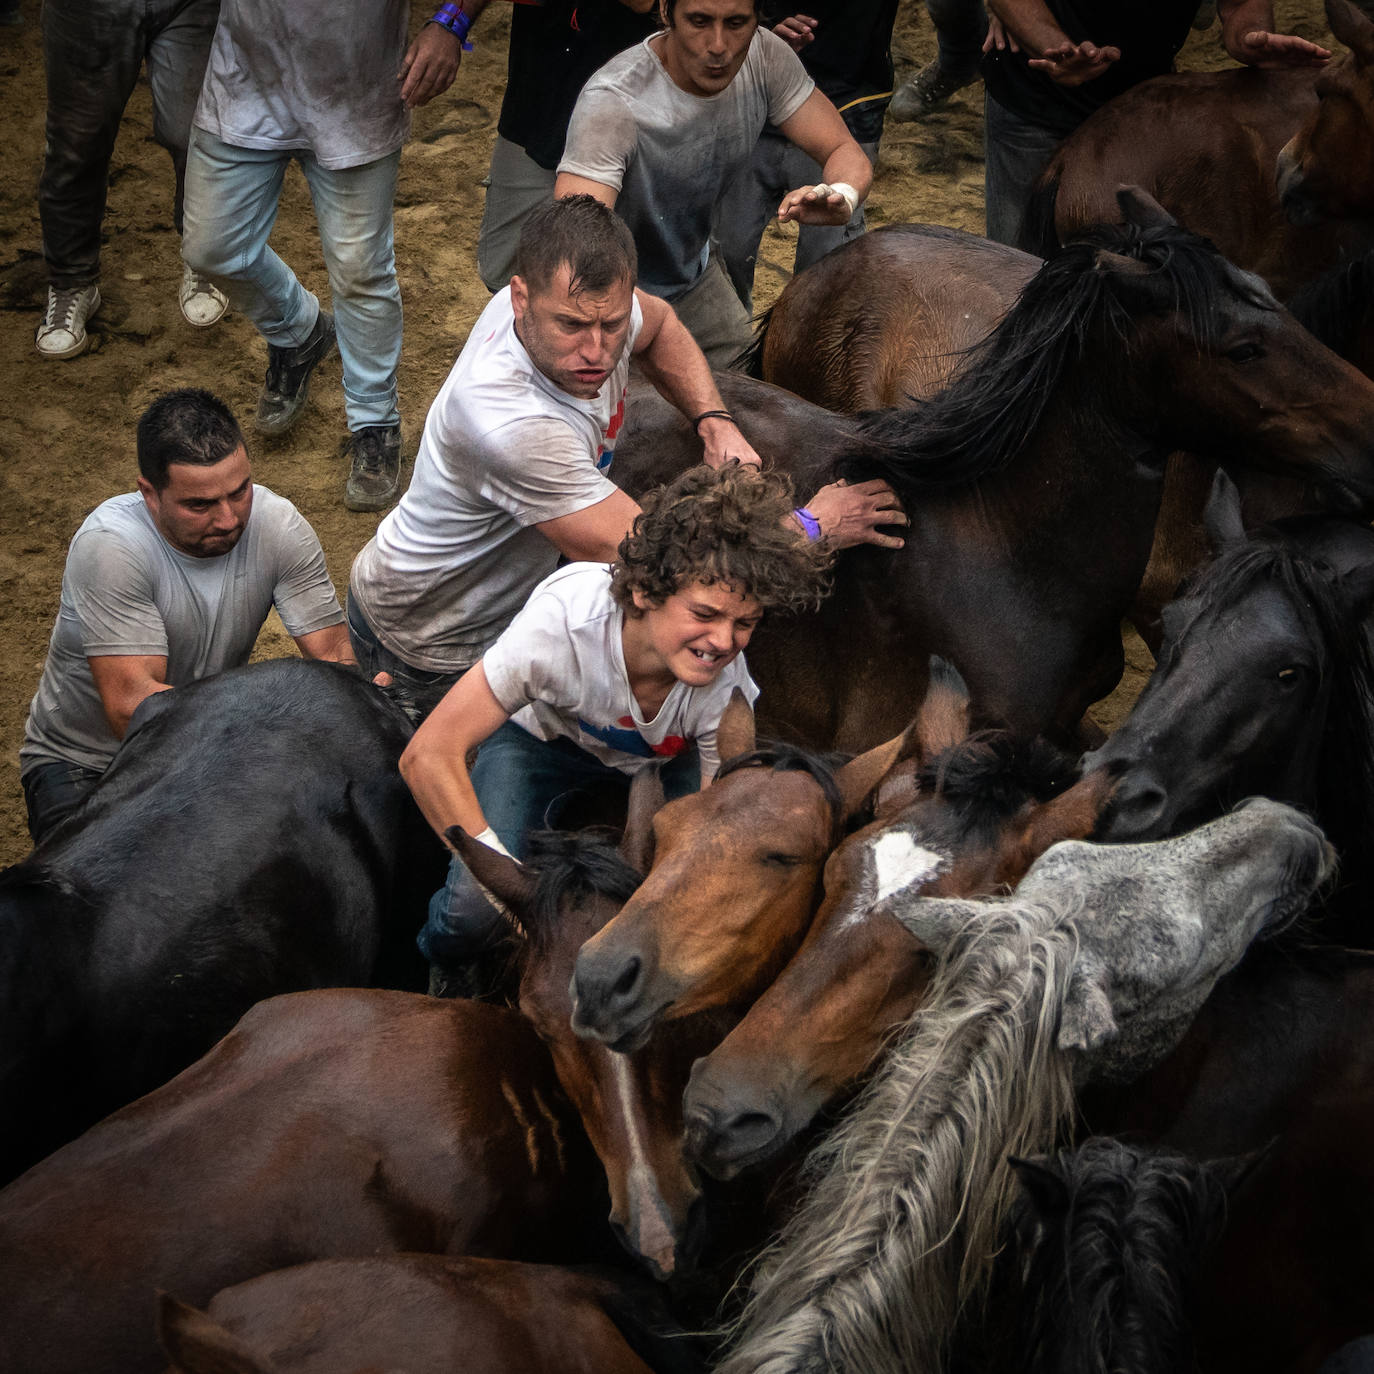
<point>63,331</point>
<point>202,302</point>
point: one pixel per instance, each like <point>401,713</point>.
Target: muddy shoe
<point>927,91</point>
<point>374,472</point>
<point>287,386</point>
<point>202,302</point>
<point>63,331</point>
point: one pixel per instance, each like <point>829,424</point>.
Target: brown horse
<point>1032,483</point>
<point>326,1124</point>
<point>735,879</point>
<point>1326,170</point>
<point>426,1314</point>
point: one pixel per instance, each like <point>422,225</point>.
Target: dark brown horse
<point>1033,482</point>
<point>1326,170</point>
<point>427,1314</point>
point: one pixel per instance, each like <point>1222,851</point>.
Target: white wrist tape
<point>839,188</point>
<point>492,840</point>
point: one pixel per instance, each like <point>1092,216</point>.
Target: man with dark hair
<point>512,468</point>
<point>163,586</point>
<point>662,130</point>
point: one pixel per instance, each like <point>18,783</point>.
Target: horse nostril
<point>624,985</point>
<point>749,1131</point>
<point>1137,805</point>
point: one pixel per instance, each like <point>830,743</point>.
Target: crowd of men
<point>640,155</point>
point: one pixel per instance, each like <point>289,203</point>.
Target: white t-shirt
<point>560,671</point>
<point>310,75</point>
<point>126,590</point>
<point>504,449</point>
<point>670,154</point>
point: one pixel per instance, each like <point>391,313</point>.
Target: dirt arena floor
<point>67,429</point>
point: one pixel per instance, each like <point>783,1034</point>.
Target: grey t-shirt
<point>310,74</point>
<point>126,590</point>
<point>670,155</point>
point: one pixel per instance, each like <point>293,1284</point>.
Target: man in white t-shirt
<point>163,586</point>
<point>662,130</point>
<point>512,469</point>
<point>606,671</point>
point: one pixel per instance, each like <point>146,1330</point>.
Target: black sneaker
<point>288,378</point>
<point>374,473</point>
<point>927,91</point>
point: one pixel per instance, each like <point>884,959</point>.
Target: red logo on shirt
<point>670,747</point>
<point>617,420</point>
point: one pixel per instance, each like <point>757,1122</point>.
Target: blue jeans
<point>52,791</point>
<point>1015,153</point>
<point>415,690</point>
<point>526,784</point>
<point>232,195</point>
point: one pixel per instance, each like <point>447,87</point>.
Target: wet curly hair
<point>722,526</point>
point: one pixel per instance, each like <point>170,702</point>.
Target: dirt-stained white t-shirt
<point>127,591</point>
<point>671,154</point>
<point>312,75</point>
<point>559,669</point>
<point>504,450</point>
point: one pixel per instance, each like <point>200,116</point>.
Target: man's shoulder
<point>118,527</point>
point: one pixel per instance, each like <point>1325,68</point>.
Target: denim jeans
<point>526,784</point>
<point>1015,153</point>
<point>231,205</point>
<point>93,51</point>
<point>52,790</point>
<point>416,691</point>
<point>751,202</point>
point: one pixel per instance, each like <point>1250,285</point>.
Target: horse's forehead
<point>1262,609</point>
<point>878,863</point>
<point>746,802</point>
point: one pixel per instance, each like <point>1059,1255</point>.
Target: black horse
<point>253,836</point>
<point>1264,687</point>
<point>1033,482</point>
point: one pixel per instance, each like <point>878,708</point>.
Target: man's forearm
<point>1030,23</point>
<point>849,164</point>
<point>1239,17</point>
<point>679,370</point>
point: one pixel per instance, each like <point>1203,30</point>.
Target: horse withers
<point>252,837</point>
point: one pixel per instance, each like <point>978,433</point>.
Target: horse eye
<point>781,860</point>
<point>1289,677</point>
<point>1245,353</point>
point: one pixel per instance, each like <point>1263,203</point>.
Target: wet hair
<point>762,11</point>
<point>590,237</point>
<point>185,426</point>
<point>725,526</point>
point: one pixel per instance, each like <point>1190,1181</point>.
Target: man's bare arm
<point>331,644</point>
<point>570,184</point>
<point>823,136</point>
<point>593,534</point>
<point>1247,31</point>
<point>124,681</point>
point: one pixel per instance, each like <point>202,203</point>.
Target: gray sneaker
<point>287,385</point>
<point>63,331</point>
<point>374,473</point>
<point>927,91</point>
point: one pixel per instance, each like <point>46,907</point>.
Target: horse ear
<point>646,800</point>
<point>934,921</point>
<point>941,722</point>
<point>1140,208</point>
<point>1086,1020</point>
<point>1353,27</point>
<point>197,1344</point>
<point>506,881</point>
<point>861,775</point>
<point>735,733</point>
<point>1048,1193</point>
<point>1221,517</point>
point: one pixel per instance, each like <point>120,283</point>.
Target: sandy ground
<point>67,429</point>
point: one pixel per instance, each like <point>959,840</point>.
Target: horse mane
<point>991,410</point>
<point>993,773</point>
<point>1099,1279</point>
<point>911,1191</point>
<point>1334,306</point>
<point>571,865</point>
<point>33,874</point>
<point>792,758</point>
<point>1345,765</point>
<point>750,360</point>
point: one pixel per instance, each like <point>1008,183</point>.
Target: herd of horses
<point>953,1055</point>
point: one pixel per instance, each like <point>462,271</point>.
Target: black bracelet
<point>711,415</point>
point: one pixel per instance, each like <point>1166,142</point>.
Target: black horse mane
<point>1345,770</point>
<point>991,410</point>
<point>791,758</point>
<point>571,865</point>
<point>1334,306</point>
<point>1105,1257</point>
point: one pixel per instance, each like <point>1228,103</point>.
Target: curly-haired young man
<point>608,669</point>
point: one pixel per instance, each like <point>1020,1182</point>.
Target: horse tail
<point>1037,234</point>
<point>899,1233</point>
<point>750,361</point>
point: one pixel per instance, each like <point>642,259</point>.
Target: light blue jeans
<point>232,195</point>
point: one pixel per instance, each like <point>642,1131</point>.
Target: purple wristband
<point>457,21</point>
<point>809,523</point>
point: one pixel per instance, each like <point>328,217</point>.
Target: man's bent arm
<point>570,184</point>
<point>823,136</point>
<point>593,534</point>
<point>330,644</point>
<point>124,682</point>
<point>669,357</point>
